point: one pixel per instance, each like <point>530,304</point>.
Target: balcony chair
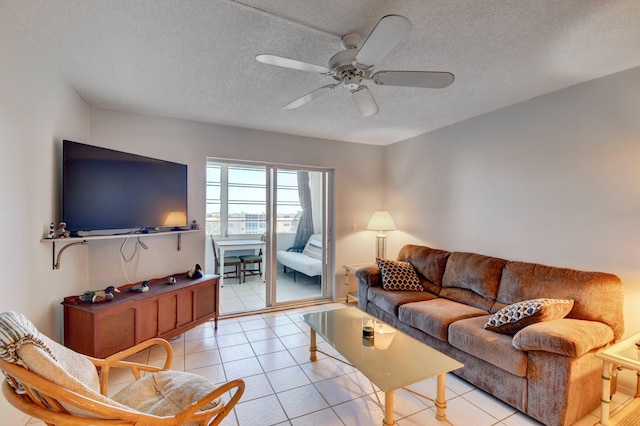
<point>252,259</point>
<point>52,383</point>
<point>228,261</point>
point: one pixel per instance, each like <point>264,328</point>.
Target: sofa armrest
<point>369,276</point>
<point>568,337</point>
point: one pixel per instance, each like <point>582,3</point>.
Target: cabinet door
<point>167,313</point>
<point>146,320</point>
<point>185,307</point>
<point>114,330</point>
<point>205,300</point>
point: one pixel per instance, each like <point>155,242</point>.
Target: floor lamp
<point>381,221</point>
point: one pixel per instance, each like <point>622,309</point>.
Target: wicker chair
<point>52,383</point>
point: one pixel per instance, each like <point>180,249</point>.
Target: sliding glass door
<point>299,234</point>
<point>285,207</point>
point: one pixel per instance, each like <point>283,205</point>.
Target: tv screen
<point>107,190</point>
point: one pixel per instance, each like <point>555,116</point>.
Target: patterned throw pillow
<point>397,275</point>
<point>513,318</point>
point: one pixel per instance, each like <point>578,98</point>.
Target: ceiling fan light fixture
<point>364,101</point>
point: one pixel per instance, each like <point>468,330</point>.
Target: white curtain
<point>315,183</point>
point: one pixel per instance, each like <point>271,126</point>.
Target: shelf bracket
<point>56,259</point>
<point>179,242</point>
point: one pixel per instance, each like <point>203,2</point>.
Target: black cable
<point>135,249</point>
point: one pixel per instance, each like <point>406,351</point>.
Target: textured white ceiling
<point>195,59</point>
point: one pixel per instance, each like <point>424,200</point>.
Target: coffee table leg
<point>312,347</point>
<point>605,401</point>
<point>441,402</point>
<point>389,405</point>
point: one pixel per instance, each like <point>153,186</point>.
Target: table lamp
<point>381,221</point>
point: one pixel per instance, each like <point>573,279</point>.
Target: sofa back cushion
<point>597,296</point>
<point>428,262</point>
<point>472,279</point>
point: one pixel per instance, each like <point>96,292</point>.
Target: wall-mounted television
<point>114,192</point>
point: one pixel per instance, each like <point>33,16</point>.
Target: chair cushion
<point>251,258</point>
<point>230,260</point>
<point>166,393</point>
<point>16,330</point>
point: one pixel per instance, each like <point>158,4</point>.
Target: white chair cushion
<point>166,393</point>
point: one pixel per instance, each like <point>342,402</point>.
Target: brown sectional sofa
<point>547,370</point>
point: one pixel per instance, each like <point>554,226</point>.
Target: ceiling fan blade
<point>310,96</point>
<point>389,31</point>
<point>364,101</point>
<point>425,79</point>
<point>279,61</point>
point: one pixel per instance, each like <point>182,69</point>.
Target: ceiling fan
<point>354,66</point>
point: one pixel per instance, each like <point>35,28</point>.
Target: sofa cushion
<point>434,316</point>
<point>515,317</point>
<point>596,295</point>
<point>469,336</point>
<point>390,301</point>
<point>398,275</point>
<point>428,262</point>
<point>313,248</point>
<point>569,337</point>
<point>300,262</point>
<point>472,279</point>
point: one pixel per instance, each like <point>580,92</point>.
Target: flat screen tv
<point>114,192</point>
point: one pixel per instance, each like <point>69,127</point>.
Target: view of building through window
<point>236,200</point>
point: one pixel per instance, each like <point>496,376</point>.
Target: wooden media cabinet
<point>165,311</point>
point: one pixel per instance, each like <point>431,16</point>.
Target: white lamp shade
<point>381,220</point>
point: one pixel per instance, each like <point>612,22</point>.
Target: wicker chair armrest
<point>117,361</point>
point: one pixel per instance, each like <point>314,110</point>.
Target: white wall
<point>37,109</point>
<point>554,180</point>
<point>357,170</point>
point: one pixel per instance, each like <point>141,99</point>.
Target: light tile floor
<point>251,295</point>
<point>270,352</point>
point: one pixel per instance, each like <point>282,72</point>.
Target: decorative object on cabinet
<point>99,296</point>
<point>142,288</point>
<point>196,272</point>
<point>59,386</point>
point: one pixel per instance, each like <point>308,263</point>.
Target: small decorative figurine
<point>52,231</point>
<point>62,231</point>
<point>171,281</point>
<point>196,272</point>
<point>99,296</point>
<point>194,225</point>
<point>140,288</point>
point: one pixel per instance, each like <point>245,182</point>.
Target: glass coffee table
<point>393,360</point>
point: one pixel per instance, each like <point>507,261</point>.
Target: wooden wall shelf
<point>69,242</point>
